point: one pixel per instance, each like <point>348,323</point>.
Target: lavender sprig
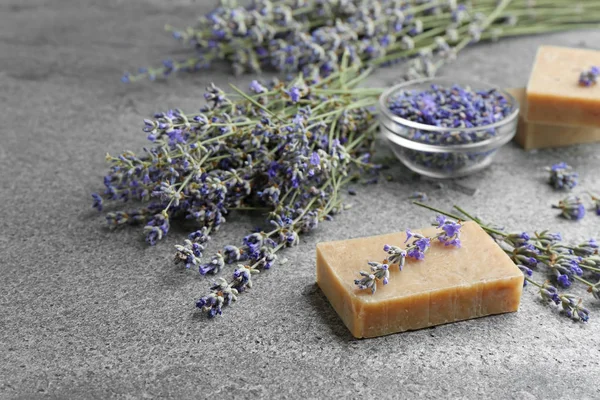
<point>416,249</point>
<point>571,207</point>
<point>545,252</point>
<point>562,177</point>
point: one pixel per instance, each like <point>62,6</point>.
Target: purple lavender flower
<point>379,271</point>
<point>441,220</point>
<point>214,266</point>
<point>572,208</point>
<point>294,94</point>
<point>232,253</point>
<point>315,159</point>
<point>586,249</point>
<point>199,236</point>
<point>419,247</point>
<point>97,201</point>
<point>256,87</point>
<point>157,228</point>
<point>573,308</point>
<point>396,255</point>
<point>589,77</point>
<point>561,176</point>
<point>563,280</point>
<point>451,233</point>
<point>242,278</point>
<point>549,293</point>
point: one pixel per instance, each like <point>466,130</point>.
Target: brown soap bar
<point>532,135</point>
<point>554,95</point>
<point>450,284</point>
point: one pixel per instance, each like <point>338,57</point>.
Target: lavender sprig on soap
<point>449,235</point>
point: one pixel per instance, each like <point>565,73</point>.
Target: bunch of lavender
<point>589,77</point>
<point>449,235</point>
<point>563,263</point>
<point>285,148</point>
<point>312,35</point>
<point>562,177</point>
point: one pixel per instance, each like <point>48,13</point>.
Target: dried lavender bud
<point>589,77</point>
<point>572,208</point>
<point>549,293</point>
<point>572,307</point>
<point>561,176</point>
<point>452,107</point>
<point>420,196</point>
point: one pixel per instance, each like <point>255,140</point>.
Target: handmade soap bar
<point>532,135</point>
<point>554,95</point>
<point>450,284</point>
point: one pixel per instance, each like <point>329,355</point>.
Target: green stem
<point>533,282</point>
<point>256,103</point>
<point>580,279</point>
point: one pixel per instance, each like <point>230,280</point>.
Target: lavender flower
<point>222,293</point>
<point>368,281</point>
<point>450,235</point>
<point>572,208</point>
<point>573,308</point>
<point>396,255</point>
<point>561,176</point>
<point>549,293</point>
<point>97,201</point>
<point>589,77</point>
<point>214,266</point>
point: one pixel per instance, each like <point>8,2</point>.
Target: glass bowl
<point>440,152</point>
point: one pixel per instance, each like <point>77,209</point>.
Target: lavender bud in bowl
<point>445,128</point>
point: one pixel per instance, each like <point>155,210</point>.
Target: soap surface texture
<point>450,284</point>
<point>554,95</point>
<point>534,135</point>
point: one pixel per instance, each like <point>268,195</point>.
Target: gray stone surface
<point>86,313</point>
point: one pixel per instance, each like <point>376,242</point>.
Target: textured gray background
<point>86,313</point>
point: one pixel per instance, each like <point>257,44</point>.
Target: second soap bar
<point>450,284</point>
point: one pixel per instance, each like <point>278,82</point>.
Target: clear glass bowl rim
<point>385,112</point>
